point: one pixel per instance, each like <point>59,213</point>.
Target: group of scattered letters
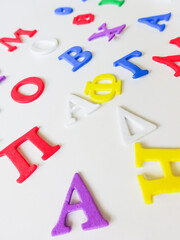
<point>167,184</point>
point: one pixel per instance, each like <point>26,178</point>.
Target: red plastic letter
<point>17,159</point>
<point>175,41</point>
<point>17,39</point>
<point>170,61</point>
<point>21,98</point>
<point>83,19</point>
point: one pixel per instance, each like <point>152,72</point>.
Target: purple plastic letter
<point>87,204</point>
<point>2,78</point>
<point>110,33</point>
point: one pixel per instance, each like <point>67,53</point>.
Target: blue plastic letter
<point>73,60</point>
<point>63,10</point>
<point>123,62</point>
<point>153,21</point>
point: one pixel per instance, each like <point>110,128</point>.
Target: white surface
<point>92,147</point>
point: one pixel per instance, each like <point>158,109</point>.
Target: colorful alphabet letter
<point>21,98</point>
<point>2,78</point>
<point>119,3</point>
<point>145,127</point>
<point>123,62</point>
<point>170,61</point>
<point>76,104</point>
<point>44,46</point>
<point>110,33</point>
<point>83,19</point>
<point>87,204</point>
<point>18,160</point>
<point>17,38</point>
<point>94,87</point>
<point>169,183</point>
<point>175,41</point>
<point>153,21</point>
<point>73,60</point>
<point>63,10</point>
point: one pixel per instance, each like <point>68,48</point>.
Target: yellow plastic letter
<point>169,183</point>
<point>93,88</point>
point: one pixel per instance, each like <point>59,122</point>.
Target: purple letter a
<point>95,219</point>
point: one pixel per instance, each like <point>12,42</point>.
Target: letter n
<point>18,160</point>
<point>95,219</point>
<point>169,183</point>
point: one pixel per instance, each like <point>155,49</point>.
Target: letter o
<point>21,98</point>
<point>63,10</point>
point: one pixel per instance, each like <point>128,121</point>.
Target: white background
<point>93,146</point>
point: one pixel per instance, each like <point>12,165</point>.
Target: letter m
<point>5,41</point>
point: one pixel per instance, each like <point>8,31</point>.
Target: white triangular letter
<point>75,104</point>
<point>145,126</point>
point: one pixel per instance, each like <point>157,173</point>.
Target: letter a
<point>75,104</point>
<point>18,160</point>
<point>170,61</point>
<point>73,60</point>
<point>17,39</point>
<point>95,219</point>
<point>176,41</point>
<point>123,62</point>
<point>153,21</point>
<point>169,183</point>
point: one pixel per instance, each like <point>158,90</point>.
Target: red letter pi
<point>17,159</point>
